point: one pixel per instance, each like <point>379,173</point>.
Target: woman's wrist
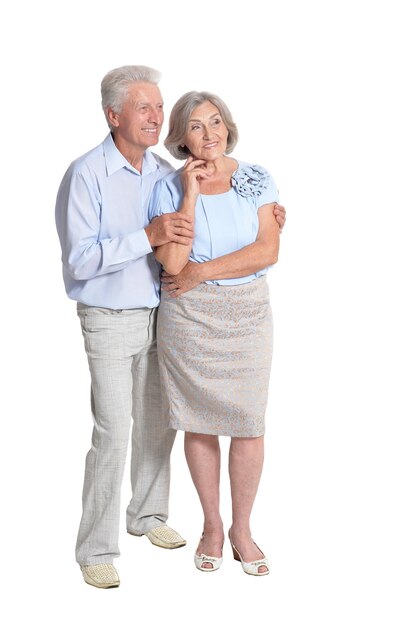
<point>188,205</point>
<point>190,198</point>
<point>202,271</point>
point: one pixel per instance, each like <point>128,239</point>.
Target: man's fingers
<point>180,228</point>
<point>179,216</point>
<point>183,231</point>
<point>185,241</point>
<point>169,287</point>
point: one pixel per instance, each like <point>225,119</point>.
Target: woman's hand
<point>194,171</point>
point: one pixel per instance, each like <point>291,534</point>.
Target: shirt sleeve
<point>269,195</point>
<point>85,254</point>
<point>166,198</point>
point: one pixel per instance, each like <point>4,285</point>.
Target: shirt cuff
<point>141,243</point>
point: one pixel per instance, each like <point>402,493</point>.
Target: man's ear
<point>113,117</point>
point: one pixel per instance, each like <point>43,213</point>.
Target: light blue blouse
<point>224,222</point>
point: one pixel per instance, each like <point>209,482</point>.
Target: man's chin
<point>151,140</point>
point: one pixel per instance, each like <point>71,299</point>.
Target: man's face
<point>139,123</point>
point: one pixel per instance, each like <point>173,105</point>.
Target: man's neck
<point>131,153</point>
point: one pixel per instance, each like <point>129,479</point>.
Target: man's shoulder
<point>88,159</point>
<point>89,166</point>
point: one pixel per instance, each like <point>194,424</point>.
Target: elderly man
<point>110,271</point>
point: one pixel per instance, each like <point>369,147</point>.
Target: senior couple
<point>182,256</point>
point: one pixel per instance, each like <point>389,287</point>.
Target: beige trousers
<point>122,356</point>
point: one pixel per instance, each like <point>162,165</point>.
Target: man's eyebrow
<point>145,102</point>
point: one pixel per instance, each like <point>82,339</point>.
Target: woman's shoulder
<point>171,182</point>
<point>250,179</point>
<point>166,195</point>
<point>171,178</point>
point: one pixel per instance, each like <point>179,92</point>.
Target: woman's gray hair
<point>180,115</point>
<point>116,83</point>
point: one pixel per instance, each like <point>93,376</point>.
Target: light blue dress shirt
<point>224,222</point>
<point>101,213</point>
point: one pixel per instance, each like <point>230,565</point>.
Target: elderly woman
<point>215,340</point>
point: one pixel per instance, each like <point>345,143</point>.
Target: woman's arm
<point>248,260</point>
<point>252,258</point>
<point>174,256</point>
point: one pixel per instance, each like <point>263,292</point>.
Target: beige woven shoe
<point>103,575</point>
<point>163,537</point>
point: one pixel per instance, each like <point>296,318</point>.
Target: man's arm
<point>280,216</point>
<point>85,254</point>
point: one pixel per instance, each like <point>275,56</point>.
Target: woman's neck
<point>220,179</point>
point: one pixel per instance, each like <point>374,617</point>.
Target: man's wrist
<point>141,241</point>
<point>148,233</point>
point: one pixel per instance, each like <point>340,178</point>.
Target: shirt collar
<point>116,161</point>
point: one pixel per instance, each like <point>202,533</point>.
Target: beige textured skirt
<point>215,350</point>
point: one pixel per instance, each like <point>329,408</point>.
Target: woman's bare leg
<point>245,468</point>
<point>203,457</point>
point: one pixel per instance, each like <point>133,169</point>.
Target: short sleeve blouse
<point>224,222</point>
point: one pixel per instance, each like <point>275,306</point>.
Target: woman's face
<point>206,135</point>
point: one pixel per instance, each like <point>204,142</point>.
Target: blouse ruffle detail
<point>250,180</point>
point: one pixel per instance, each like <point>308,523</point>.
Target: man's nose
<point>155,116</point>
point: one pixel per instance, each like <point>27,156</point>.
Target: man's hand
<point>187,279</point>
<point>175,227</point>
<point>279,212</point>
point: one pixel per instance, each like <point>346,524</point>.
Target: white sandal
<point>251,568</point>
<point>201,559</point>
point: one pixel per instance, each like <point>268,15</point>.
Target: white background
<point>324,95</point>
